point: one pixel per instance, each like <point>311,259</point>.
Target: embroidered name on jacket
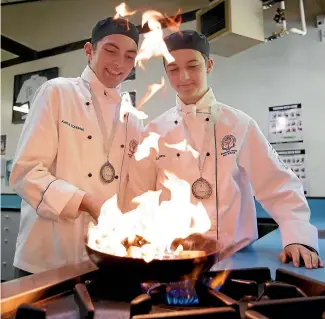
<point>73,126</point>
<point>228,145</point>
<point>160,156</point>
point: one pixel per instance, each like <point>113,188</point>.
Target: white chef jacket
<point>58,159</point>
<point>247,165</point>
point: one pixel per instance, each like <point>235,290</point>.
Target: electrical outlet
<point>320,21</point>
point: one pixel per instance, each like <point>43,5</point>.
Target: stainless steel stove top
<point>245,293</point>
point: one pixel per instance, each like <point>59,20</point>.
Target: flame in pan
<point>148,231</point>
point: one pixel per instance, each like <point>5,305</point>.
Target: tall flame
<point>127,107</point>
<point>148,231</point>
<point>153,43</point>
<point>123,11</point>
<point>151,91</point>
<point>143,150</point>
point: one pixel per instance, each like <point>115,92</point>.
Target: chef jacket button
<point>90,175</point>
<point>89,137</point>
<point>178,155</point>
<point>116,177</point>
<point>207,119</point>
<point>208,154</point>
<point>87,103</point>
<point>176,122</point>
<point>122,146</point>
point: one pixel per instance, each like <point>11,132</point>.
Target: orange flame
<point>220,279</point>
<point>153,43</point>
<point>194,275</point>
<point>152,90</point>
<point>154,225</point>
<point>123,11</point>
<point>127,107</point>
<point>173,23</point>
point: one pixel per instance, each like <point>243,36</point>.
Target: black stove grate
<point>245,293</point>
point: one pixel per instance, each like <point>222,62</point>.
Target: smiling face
<point>188,74</point>
<point>112,58</point>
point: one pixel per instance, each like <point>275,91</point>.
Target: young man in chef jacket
<point>236,161</point>
<point>74,152</point>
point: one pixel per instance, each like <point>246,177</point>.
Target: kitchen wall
<point>288,70</point>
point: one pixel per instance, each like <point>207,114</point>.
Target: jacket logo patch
<point>228,144</point>
<point>73,126</point>
<point>133,146</point>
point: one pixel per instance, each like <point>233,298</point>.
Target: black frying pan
<point>165,270</point>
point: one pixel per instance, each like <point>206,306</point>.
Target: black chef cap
<point>111,26</point>
<point>188,39</point>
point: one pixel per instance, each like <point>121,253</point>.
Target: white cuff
<point>299,232</point>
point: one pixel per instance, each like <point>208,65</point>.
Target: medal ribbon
<point>207,136</point>
<point>107,140</point>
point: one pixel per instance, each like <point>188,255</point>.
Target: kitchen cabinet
<point>9,231</point>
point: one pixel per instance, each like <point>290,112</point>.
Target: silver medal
<point>201,189</point>
<point>107,172</point>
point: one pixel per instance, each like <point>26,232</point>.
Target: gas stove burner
<point>180,293</point>
<point>244,293</point>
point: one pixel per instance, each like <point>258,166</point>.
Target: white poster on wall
<point>296,160</point>
<point>285,124</point>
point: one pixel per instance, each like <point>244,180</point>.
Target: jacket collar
<point>203,106</point>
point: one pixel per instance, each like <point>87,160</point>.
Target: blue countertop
<point>264,253</point>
